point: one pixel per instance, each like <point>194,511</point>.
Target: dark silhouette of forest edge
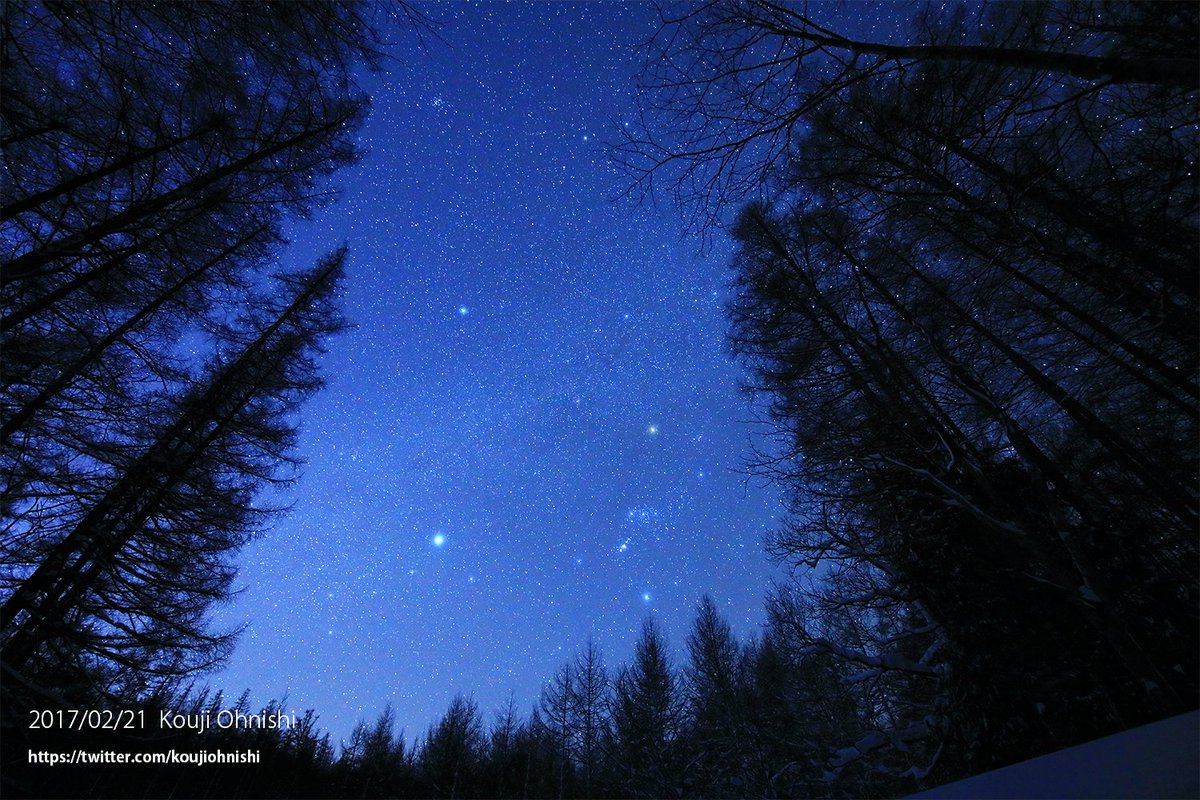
<point>964,289</point>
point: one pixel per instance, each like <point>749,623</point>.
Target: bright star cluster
<point>533,434</point>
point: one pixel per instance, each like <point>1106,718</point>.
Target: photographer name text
<point>225,719</point>
<point>93,719</point>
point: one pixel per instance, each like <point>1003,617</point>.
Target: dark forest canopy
<point>970,301</point>
<point>730,88</point>
<point>736,719</point>
<point>152,364</point>
<point>966,290</point>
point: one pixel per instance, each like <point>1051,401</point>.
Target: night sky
<point>535,433</point>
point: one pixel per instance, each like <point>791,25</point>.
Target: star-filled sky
<point>535,433</point>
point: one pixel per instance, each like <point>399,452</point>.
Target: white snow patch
<point>1161,760</point>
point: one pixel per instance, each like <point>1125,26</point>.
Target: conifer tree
<point>717,717</point>
<point>453,750</point>
<point>128,585</point>
<point>589,705</point>
<point>970,301</point>
<point>558,726</point>
<point>151,155</point>
<point>648,714</point>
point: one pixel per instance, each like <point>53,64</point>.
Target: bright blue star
<point>463,311</point>
<point>438,540</point>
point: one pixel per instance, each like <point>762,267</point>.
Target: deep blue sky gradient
<point>535,434</point>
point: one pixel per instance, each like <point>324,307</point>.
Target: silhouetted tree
<point>729,87</point>
<point>589,710</point>
<point>375,762</point>
<point>453,750</point>
<point>718,722</point>
<point>127,586</point>
<point>310,745</point>
<point>507,765</point>
<point>648,715</point>
<point>844,700</point>
<point>557,719</point>
<point>151,155</point>
<point>971,301</point>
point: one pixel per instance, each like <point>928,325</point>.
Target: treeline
<point>154,354</point>
<point>967,293</point>
<point>734,720</point>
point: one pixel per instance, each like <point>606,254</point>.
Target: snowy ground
<point>1154,761</point>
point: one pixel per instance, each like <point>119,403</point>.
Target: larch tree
<point>151,155</point>
<point>128,585</point>
<point>453,750</point>
<point>590,691</point>
<point>969,297</point>
<point>718,732</point>
<point>506,773</point>
<point>557,720</point>
<point>729,87</point>
<point>648,713</point>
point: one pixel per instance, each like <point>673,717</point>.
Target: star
<point>484,426</point>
